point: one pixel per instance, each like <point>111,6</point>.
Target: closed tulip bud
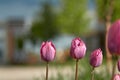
<point>47,51</point>
<point>114,38</point>
<point>78,48</point>
<point>96,58</point>
<point>118,65</point>
<point>116,77</point>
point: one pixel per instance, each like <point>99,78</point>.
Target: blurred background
<point>24,24</point>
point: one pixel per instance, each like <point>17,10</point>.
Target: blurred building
<point>9,30</point>
<point>15,25</point>
<point>3,43</point>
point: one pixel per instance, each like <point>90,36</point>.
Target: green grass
<point>84,70</point>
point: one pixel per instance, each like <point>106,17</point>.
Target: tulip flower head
<point>78,48</point>
<point>96,58</point>
<point>114,38</point>
<point>116,77</point>
<point>47,51</point>
<point>118,65</point>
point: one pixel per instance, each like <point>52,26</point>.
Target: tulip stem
<point>93,73</point>
<point>115,58</point>
<point>76,73</point>
<point>47,70</point>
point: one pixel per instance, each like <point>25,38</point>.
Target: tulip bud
<point>118,65</point>
<point>96,58</point>
<point>116,77</point>
<point>47,51</point>
<point>114,38</point>
<point>78,48</point>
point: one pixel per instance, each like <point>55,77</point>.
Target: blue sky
<point>23,8</point>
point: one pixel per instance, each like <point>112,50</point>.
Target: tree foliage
<point>102,8</point>
<point>72,19</point>
<point>44,27</point>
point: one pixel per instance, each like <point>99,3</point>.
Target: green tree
<point>44,26</point>
<point>105,7</point>
<point>71,18</point>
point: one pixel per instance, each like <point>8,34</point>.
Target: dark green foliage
<point>20,43</point>
<point>45,26</point>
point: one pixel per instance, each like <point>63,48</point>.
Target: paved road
<point>38,72</point>
<point>31,73</point>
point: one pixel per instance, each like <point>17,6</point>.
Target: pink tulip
<point>116,77</point>
<point>114,38</point>
<point>96,58</point>
<point>118,65</point>
<point>78,48</point>
<point>47,51</point>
